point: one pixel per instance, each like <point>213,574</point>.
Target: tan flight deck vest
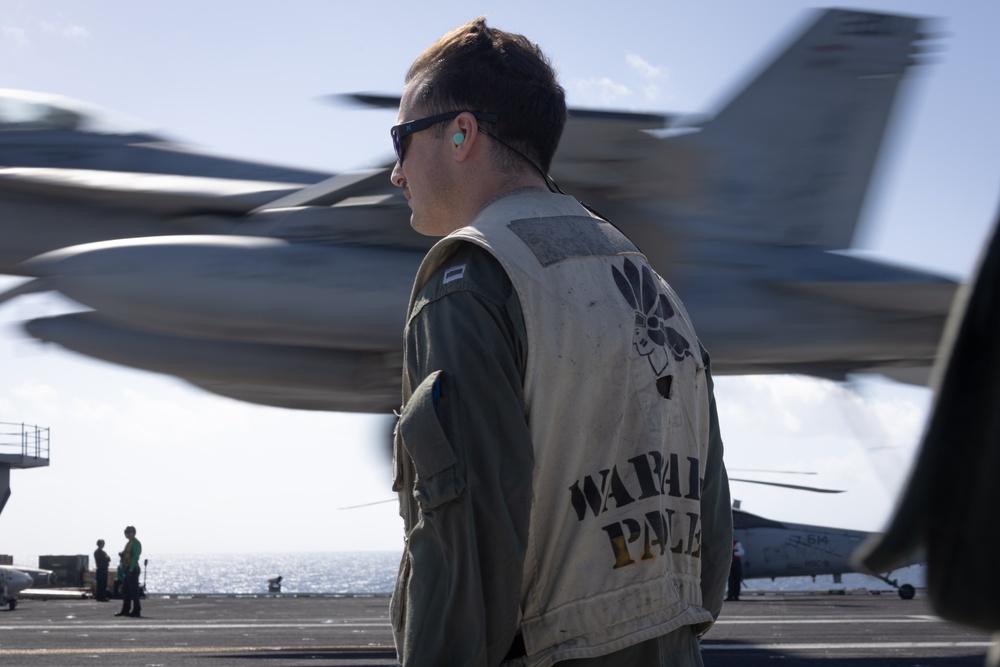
<point>617,402</point>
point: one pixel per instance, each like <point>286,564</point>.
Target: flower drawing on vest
<point>653,338</point>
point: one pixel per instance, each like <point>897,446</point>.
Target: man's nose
<point>396,176</point>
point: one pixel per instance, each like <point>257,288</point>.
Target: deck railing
<point>24,439</point>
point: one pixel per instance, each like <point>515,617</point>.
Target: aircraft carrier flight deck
<point>857,629</point>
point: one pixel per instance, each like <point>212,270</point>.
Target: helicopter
<point>779,549</point>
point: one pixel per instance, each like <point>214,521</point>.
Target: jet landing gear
<point>906,591</point>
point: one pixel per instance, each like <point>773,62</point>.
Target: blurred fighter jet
<point>284,288</point>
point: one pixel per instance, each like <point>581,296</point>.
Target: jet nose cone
<point>16,580</point>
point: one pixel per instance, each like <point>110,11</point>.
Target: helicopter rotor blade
<point>814,489</point>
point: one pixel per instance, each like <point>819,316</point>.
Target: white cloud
<point>860,438</point>
<point>24,36</point>
<point>84,410</point>
<point>14,34</point>
<point>794,406</point>
<point>602,91</point>
<point>643,78</point>
<point>35,391</point>
<point>76,31</point>
<point>644,68</point>
<point>651,90</point>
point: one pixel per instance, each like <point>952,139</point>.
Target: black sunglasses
<point>402,130</point>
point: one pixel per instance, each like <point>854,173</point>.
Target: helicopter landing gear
<point>906,591</point>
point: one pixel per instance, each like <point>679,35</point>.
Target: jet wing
<point>160,194</point>
<point>294,376</point>
<point>915,298</point>
<point>336,189</point>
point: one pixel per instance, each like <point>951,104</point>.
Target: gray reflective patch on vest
<point>555,239</point>
<point>453,273</point>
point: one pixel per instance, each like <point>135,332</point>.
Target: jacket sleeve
<point>717,514</point>
<point>466,432</point>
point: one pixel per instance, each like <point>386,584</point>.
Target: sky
<point>197,473</point>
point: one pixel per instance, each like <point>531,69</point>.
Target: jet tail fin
<point>791,155</point>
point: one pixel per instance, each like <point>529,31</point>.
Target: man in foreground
<point>558,457</point>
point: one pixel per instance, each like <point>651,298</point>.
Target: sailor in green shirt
<point>128,574</point>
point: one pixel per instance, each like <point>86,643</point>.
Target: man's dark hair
<point>478,68</point>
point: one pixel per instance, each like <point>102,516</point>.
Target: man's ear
<point>465,136</point>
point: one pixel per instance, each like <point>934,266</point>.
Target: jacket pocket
<point>438,478</point>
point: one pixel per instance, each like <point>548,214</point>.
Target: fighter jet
<point>12,582</point>
<point>292,292</point>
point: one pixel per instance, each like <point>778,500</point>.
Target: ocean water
<point>334,572</point>
<point>374,572</point>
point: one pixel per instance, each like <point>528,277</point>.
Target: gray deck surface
<point>791,630</point>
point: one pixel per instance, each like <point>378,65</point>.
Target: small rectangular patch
<point>555,239</point>
<point>453,273</point>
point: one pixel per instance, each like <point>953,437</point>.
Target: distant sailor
<point>101,561</point>
<point>736,572</point>
<point>128,573</point>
